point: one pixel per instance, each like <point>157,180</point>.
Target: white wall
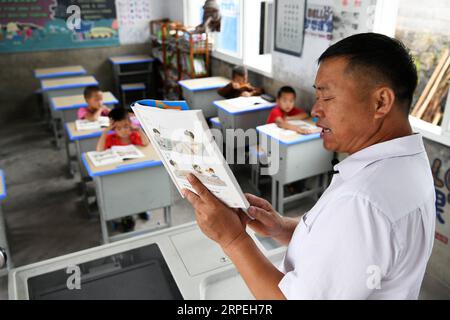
<point>173,9</point>
<point>431,16</point>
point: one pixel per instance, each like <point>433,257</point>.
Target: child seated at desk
<point>285,110</point>
<point>239,85</point>
<point>123,132</point>
<point>95,108</point>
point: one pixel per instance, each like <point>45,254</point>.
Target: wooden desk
<point>59,72</point>
<point>131,68</point>
<point>242,116</point>
<point>201,93</point>
<point>131,187</point>
<point>84,141</point>
<point>69,105</point>
<point>61,87</point>
<point>299,157</point>
<point>3,227</point>
<point>61,84</point>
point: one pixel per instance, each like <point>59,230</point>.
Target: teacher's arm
<point>226,226</point>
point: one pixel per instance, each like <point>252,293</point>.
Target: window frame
<point>440,134</point>
<point>240,58</point>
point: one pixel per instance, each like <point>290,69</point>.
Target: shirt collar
<point>400,147</point>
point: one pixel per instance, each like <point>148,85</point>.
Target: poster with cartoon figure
<point>57,24</point>
<point>186,146</point>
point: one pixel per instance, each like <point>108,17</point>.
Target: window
<point>258,26</point>
<point>246,31</point>
<point>229,38</point>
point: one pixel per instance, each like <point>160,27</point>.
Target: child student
<point>239,85</point>
<point>285,110</point>
<point>124,134</point>
<point>95,108</point>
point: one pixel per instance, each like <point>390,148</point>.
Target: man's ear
<point>384,98</point>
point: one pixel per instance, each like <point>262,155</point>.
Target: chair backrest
<point>164,104</point>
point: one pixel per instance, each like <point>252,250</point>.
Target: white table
<point>298,157</point>
<point>61,87</point>
<point>241,113</point>
<point>199,268</point>
<point>201,93</point>
<point>128,188</point>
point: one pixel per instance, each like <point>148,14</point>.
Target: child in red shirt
<point>124,133</point>
<point>285,111</point>
<point>95,108</point>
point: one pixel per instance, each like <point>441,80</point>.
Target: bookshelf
<point>195,49</point>
<point>182,54</point>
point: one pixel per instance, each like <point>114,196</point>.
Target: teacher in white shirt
<point>371,233</point>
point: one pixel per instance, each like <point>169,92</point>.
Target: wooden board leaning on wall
<point>428,107</point>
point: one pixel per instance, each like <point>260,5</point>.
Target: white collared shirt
<point>371,233</point>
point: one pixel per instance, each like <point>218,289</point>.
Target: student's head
<point>156,131</point>
<point>364,88</point>
<point>197,168</point>
<point>94,97</point>
<point>286,98</point>
<point>172,163</point>
<point>121,122</point>
<point>239,74</point>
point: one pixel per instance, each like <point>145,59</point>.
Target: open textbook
<point>302,125</point>
<point>83,125</point>
<point>185,145</point>
<point>115,154</point>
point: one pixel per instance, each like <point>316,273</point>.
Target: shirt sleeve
<point>228,92</point>
<point>348,259</point>
<point>274,114</point>
<point>81,114</point>
<point>105,112</point>
<point>136,138</point>
<point>296,111</point>
<point>109,141</point>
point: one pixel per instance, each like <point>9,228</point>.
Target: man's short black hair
<point>239,71</point>
<point>118,114</point>
<point>286,89</point>
<point>382,58</point>
<point>90,90</point>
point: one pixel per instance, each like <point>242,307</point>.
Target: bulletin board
<point>289,26</point>
<point>36,25</point>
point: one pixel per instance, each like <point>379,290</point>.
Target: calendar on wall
<point>289,26</point>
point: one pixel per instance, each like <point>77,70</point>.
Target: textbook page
<point>84,125</point>
<point>305,125</point>
<point>103,121</point>
<point>186,145</point>
<point>242,103</point>
<point>103,158</point>
<point>127,152</point>
<point>285,133</point>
